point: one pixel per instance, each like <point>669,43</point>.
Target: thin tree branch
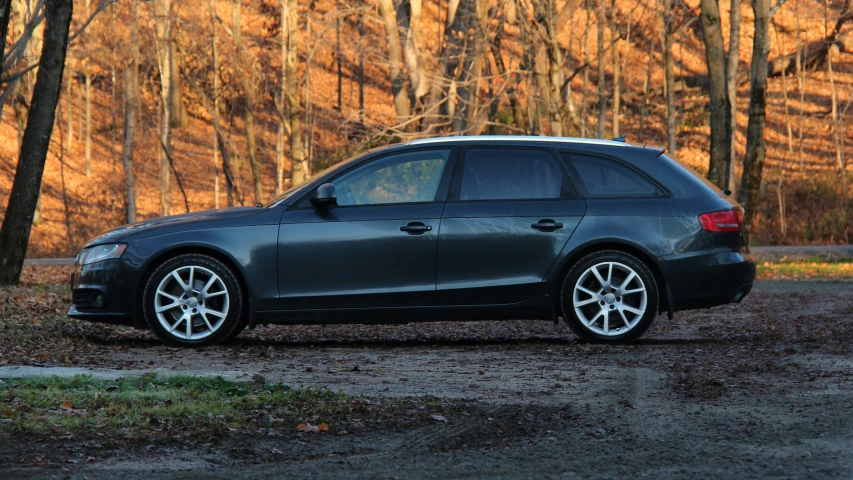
<point>776,7</point>
<point>178,177</point>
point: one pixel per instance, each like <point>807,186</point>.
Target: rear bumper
<point>709,278</point>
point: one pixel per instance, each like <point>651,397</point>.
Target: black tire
<point>638,327</point>
<point>237,331</point>
<point>231,325</point>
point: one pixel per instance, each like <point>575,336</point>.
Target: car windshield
<point>292,191</point>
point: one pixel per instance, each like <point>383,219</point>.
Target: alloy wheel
<point>191,302</point>
<point>610,298</point>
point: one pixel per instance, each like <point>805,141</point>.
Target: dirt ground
<point>761,389</point>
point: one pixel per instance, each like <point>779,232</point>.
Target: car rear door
<point>508,215</point>
<point>377,247</point>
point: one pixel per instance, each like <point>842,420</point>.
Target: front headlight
<point>101,253</point>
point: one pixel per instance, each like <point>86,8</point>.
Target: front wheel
<point>193,301</point>
<point>609,297</point>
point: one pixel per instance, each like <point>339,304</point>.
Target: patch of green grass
<point>139,407</point>
<point>806,269</point>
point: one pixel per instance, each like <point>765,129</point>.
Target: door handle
<point>415,228</point>
<point>546,225</point>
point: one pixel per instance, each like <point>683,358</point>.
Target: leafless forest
<point>171,106</point>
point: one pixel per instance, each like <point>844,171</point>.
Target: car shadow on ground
<point>356,343</point>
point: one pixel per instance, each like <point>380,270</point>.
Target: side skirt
<point>395,315</point>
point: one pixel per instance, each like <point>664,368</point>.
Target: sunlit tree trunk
<point>163,26</point>
<point>410,21</point>
<point>87,134</point>
<point>399,92</point>
<point>647,85</point>
<point>602,94</point>
<point>753,163</point>
<point>585,87</point>
<point>715,59</point>
<point>5,16</point>
<point>732,63</point>
<point>131,101</point>
<point>617,71</point>
<point>669,75</point>
<point>249,104</point>
<point>299,170</point>
<point>18,218</point>
<point>69,100</point>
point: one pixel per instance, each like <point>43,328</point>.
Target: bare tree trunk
<point>215,113</point>
<point>280,104</point>
<point>617,72</point>
<point>801,80</point>
<point>5,15</point>
<point>87,135</point>
<point>80,108</point>
<point>558,107</point>
<point>62,152</point>
<point>500,66</point>
<point>308,138</point>
<point>163,25</point>
<point>788,127</point>
<point>395,57</point>
<point>669,75</point>
<point>721,127</point>
<point>780,198</point>
<point>178,115</point>
<point>753,163</point>
<point>131,101</point>
<point>299,170</point>
<point>248,92</point>
<point>69,99</point>
<point>360,70</point>
<point>647,84</point>
<point>836,125</point>
<point>339,71</point>
<point>17,222</point>
<point>410,21</point>
<point>585,87</point>
<point>602,94</point>
<point>732,64</point>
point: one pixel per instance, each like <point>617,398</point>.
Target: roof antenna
<point>620,138</point>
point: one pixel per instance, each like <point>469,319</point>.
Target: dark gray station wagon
<point>601,233</point>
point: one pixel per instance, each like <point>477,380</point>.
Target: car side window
<point>409,177</point>
<point>510,174</point>
<point>605,177</point>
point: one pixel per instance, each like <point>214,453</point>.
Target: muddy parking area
<point>760,389</point>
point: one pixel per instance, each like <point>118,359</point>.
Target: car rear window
<point>604,177</point>
<point>680,179</point>
<point>510,174</point>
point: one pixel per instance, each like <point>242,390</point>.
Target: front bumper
<point>707,279</point>
<point>101,292</point>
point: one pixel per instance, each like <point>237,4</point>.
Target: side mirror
<point>325,197</point>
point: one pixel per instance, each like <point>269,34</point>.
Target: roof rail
<point>517,138</point>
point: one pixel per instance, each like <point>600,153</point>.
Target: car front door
<point>377,246</point>
<point>508,215</point>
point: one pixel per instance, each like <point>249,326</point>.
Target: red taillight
<point>722,221</point>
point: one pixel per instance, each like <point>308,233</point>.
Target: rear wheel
<point>193,301</point>
<point>609,297</point>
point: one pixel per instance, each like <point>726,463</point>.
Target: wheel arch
<point>664,300</point>
<point>176,250</point>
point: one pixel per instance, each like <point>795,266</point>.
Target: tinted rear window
<point>605,177</point>
<point>680,179</point>
<point>510,174</point>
